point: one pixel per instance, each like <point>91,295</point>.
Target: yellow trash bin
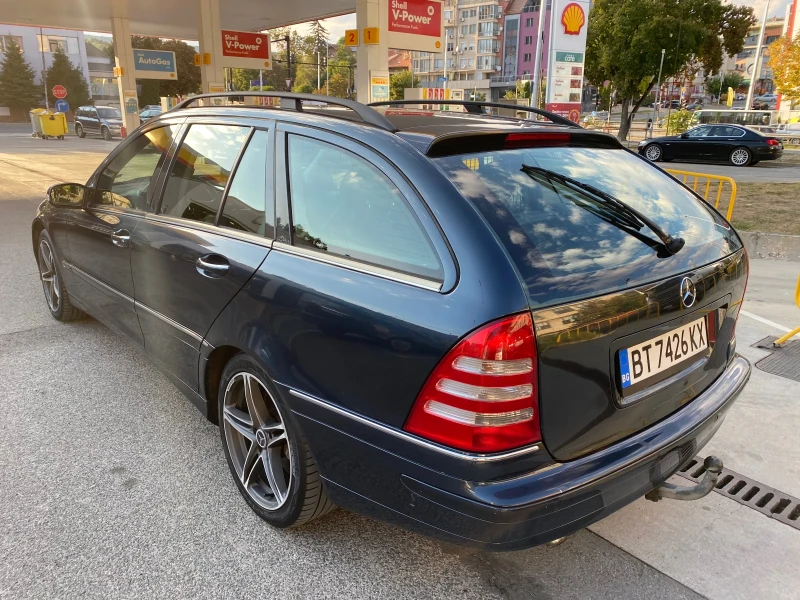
<point>36,123</point>
<point>54,125</point>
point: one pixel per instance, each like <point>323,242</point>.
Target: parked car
<point>694,106</point>
<point>736,145</point>
<point>105,121</point>
<point>148,112</point>
<point>491,330</point>
<point>740,96</point>
<point>789,133</point>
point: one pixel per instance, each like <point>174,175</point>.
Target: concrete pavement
<point>112,485</point>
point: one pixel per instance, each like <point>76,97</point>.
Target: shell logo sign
<point>573,18</point>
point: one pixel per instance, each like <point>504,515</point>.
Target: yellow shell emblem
<point>573,18</point>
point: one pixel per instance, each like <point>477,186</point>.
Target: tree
<point>338,86</point>
<point>625,39</point>
<point>717,86</point>
<point>784,60</point>
<point>17,88</point>
<point>241,78</point>
<point>398,82</point>
<point>319,37</point>
<point>63,72</point>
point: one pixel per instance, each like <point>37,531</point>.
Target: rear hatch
<point>627,332</point>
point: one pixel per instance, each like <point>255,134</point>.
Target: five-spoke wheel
<point>49,276</point>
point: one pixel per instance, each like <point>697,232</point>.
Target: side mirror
<point>684,136</point>
<point>68,195</point>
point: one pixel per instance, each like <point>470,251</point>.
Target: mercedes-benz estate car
<point>490,330</point>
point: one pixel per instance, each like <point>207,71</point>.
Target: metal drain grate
<point>764,499</point>
<point>784,362</point>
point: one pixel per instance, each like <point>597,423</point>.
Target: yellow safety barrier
<point>697,179</point>
<point>782,340</point>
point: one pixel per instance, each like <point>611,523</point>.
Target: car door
<point>693,145</point>
<point>725,138</point>
<point>99,237</point>
<point>91,122</point>
<point>208,235</point>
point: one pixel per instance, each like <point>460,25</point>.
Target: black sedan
<point>736,145</point>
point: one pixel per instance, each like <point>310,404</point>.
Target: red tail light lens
<point>534,140</point>
<point>482,396</point>
<point>773,143</point>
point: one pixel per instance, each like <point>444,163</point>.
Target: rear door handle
<point>121,238</point>
<point>212,265</point>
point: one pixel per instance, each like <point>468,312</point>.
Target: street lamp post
<point>756,66</point>
<point>658,94</point>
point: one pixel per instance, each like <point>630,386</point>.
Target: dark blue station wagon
<point>491,330</point>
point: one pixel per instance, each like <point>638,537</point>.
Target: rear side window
<point>126,181</point>
<point>201,171</point>
<point>246,202</point>
<point>564,247</point>
<point>345,206</point>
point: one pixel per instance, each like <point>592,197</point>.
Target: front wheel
<point>55,291</point>
<point>740,157</point>
<point>653,153</point>
<point>266,453</point>
<point>106,133</point>
<point>79,130</point>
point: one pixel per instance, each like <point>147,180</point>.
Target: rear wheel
<point>79,130</point>
<point>740,157</point>
<point>653,153</point>
<point>106,133</point>
<point>266,453</point>
<point>55,291</point>
<point>794,141</point>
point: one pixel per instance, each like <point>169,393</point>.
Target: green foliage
<point>319,38</point>
<point>717,86</point>
<point>398,82</point>
<point>17,89</point>
<point>241,78</point>
<point>625,39</point>
<point>63,72</point>
<point>678,121</point>
<point>304,88</point>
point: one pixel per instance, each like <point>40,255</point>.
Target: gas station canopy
<point>167,18</point>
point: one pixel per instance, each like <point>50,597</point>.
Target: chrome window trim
<point>359,267</point>
<point>466,456</point>
<point>168,321</point>
<point>227,232</point>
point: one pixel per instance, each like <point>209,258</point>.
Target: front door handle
<point>212,265</point>
<point>121,238</point>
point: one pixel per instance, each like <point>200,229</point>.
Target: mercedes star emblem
<point>688,292</point>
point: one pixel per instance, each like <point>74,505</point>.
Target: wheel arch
<point>210,378</point>
<point>36,229</point>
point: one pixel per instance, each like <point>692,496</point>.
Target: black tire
<point>63,310</point>
<point>754,162</point>
<point>79,130</point>
<point>106,133</point>
<point>794,141</point>
<point>654,152</point>
<point>306,498</point>
<point>740,157</point>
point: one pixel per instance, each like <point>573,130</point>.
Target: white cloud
<point>777,8</point>
<point>335,25</point>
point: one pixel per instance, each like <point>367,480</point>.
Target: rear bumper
<point>770,153</point>
<point>527,510</point>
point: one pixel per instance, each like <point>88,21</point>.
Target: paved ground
<point>112,485</point>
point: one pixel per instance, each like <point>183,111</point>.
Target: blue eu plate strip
<point>624,368</point>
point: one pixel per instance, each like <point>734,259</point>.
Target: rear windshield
<point>566,252</point>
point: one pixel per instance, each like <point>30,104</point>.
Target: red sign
<point>245,44</point>
<point>59,91</point>
<point>417,17</point>
<point>573,18</point>
<point>570,110</point>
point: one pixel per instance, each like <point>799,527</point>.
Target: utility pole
<point>675,67</point>
<point>658,94</point>
<point>44,70</point>
<point>756,69</point>
<point>537,62</point>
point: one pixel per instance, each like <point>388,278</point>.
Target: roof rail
<point>293,101</point>
<point>475,106</point>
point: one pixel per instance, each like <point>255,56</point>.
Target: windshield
<point>566,252</point>
<point>109,113</point>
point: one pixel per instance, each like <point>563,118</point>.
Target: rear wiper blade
<point>631,216</point>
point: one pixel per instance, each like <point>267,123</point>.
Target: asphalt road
<point>113,486</point>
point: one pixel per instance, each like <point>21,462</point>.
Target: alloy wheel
<point>49,276</point>
<point>740,157</point>
<point>257,441</point>
<point>653,153</point>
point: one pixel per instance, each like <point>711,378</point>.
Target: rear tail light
<point>773,142</point>
<point>482,396</point>
<point>533,140</point>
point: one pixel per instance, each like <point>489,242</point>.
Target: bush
<point>678,121</point>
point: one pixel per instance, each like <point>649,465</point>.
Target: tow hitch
<point>713,467</point>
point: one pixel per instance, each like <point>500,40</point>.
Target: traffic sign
<point>62,106</point>
<point>59,91</point>
<point>441,78</point>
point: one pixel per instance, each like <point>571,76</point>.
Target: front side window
<point>127,180</point>
<point>201,171</point>
<point>246,203</point>
<point>343,205</point>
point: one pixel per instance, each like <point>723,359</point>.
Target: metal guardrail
<point>695,180</point>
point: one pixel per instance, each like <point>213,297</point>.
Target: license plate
<point>658,354</point>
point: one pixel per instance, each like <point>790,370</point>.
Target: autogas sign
<point>245,49</point>
<point>154,64</point>
<point>414,24</point>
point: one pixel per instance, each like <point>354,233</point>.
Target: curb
<point>771,246</point>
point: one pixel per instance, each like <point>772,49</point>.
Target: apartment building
<point>473,33</point>
<point>745,61</point>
